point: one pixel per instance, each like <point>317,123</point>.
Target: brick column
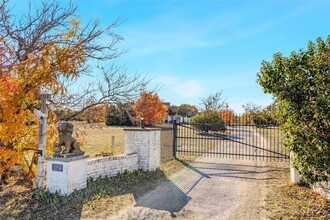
<point>64,175</point>
<point>145,142</point>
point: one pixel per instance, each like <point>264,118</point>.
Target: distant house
<point>171,114</point>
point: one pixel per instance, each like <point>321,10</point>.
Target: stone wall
<point>146,143</point>
<point>142,148</point>
<point>111,166</point>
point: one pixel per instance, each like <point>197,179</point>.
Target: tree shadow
<point>166,197</point>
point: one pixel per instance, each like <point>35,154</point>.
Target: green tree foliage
<point>208,120</point>
<point>186,110</point>
<point>120,115</point>
<point>301,85</point>
<point>257,115</point>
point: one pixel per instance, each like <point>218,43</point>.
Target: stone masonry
<point>142,148</point>
<point>145,142</point>
<point>111,166</point>
<point>64,175</point>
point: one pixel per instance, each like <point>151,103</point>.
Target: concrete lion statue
<point>71,145</point>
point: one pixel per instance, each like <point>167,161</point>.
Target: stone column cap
<point>142,129</point>
<point>67,159</point>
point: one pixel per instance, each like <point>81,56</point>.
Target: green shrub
<point>300,84</point>
<point>208,120</point>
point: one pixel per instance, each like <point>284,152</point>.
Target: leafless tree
<point>115,87</point>
<point>41,24</point>
<point>251,107</point>
<point>213,102</point>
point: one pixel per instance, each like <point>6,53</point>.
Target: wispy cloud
<point>171,32</point>
<point>179,88</point>
<point>157,36</point>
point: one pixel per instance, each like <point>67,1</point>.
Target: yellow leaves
<point>8,158</point>
<point>75,23</point>
<point>94,114</point>
<point>20,84</point>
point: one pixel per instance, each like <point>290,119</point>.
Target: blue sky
<point>197,47</point>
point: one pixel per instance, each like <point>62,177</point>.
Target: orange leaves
<point>94,114</point>
<point>20,84</point>
<point>227,116</point>
<point>8,158</point>
<point>150,108</point>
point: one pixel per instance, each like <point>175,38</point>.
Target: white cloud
<point>188,89</point>
<point>178,88</point>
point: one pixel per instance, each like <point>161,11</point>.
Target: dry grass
<point>290,201</point>
<point>97,138</point>
<point>102,197</point>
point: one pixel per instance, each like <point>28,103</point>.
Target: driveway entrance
<point>209,188</point>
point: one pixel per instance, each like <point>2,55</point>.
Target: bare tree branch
<point>116,86</point>
<point>42,25</point>
<point>47,22</point>
<point>213,102</point>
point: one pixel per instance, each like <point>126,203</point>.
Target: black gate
<point>240,139</point>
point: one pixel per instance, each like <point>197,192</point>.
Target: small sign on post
<point>41,152</point>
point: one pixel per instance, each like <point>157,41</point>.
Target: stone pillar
<point>294,174</point>
<point>145,142</point>
<point>64,175</point>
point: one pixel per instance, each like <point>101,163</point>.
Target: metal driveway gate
<point>240,140</point>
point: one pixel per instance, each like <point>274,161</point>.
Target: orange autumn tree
<point>150,108</point>
<point>44,49</point>
<point>228,116</point>
<point>21,80</point>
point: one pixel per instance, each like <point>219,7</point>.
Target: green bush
<point>208,120</point>
<point>300,84</point>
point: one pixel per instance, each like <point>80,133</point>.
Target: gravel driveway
<point>209,188</point>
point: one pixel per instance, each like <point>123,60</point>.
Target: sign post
<point>42,117</point>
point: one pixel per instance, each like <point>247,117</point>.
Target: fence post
<point>175,135</point>
<point>41,152</point>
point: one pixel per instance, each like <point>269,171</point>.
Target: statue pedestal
<point>64,175</point>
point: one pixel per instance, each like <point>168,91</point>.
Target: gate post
<point>175,135</point>
<point>295,176</point>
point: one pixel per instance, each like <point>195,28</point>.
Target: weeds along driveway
<point>209,188</point>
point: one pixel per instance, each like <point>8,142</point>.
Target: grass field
<point>97,139</point>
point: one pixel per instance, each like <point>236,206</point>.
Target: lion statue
<point>72,146</point>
